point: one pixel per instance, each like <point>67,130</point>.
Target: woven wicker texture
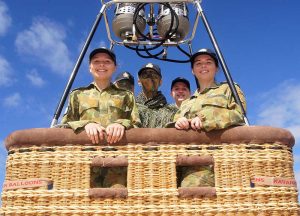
<point>151,180</point>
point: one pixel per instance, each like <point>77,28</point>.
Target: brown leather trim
<point>196,192</point>
<point>194,160</point>
<point>108,193</point>
<point>153,136</point>
<point>120,161</point>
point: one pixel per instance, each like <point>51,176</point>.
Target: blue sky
<point>40,41</point>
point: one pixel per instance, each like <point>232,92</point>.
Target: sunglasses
<point>149,74</point>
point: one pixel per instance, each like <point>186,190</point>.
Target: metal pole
<point>191,53</point>
<point>222,61</point>
<point>76,68</point>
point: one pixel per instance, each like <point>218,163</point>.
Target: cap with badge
<point>204,52</point>
<point>125,76</point>
<point>154,67</point>
<point>183,80</point>
<point>104,50</point>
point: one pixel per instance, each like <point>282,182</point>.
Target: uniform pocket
<point>119,112</point>
<point>216,101</point>
<point>88,107</point>
<point>117,107</point>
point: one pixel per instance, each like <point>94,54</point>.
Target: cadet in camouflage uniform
<point>102,108</point>
<point>152,104</point>
<point>211,107</point>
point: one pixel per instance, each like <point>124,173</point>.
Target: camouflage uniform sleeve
<point>221,115</point>
<point>242,98</point>
<point>177,113</point>
<point>132,120</point>
<point>171,111</point>
<point>176,116</point>
<point>71,117</point>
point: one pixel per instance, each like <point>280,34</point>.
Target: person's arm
<point>222,112</point>
<point>184,108</point>
<point>181,122</point>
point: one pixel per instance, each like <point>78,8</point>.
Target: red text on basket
<point>26,183</point>
<point>274,181</point>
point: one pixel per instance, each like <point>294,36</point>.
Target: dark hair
<point>181,79</point>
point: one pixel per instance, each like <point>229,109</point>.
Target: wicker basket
<point>151,156</point>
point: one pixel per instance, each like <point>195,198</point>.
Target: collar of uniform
<point>197,93</point>
<point>111,86</point>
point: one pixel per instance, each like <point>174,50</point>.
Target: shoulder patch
<point>83,87</point>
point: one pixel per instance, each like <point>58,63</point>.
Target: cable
<point>168,35</point>
<point>183,51</point>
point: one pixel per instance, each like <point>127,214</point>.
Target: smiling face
<point>204,68</point>
<point>180,92</point>
<point>102,67</point>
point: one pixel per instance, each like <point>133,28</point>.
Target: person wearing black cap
<point>102,108</point>
<point>152,104</point>
<point>89,106</point>
<point>125,80</point>
<point>180,90</point>
<point>211,107</point>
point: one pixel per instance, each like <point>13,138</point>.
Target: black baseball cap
<point>204,52</point>
<point>155,67</point>
<point>104,50</point>
<point>181,79</point>
<point>125,76</point>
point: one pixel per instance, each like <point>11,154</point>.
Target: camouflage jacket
<point>215,106</point>
<point>155,113</point>
<point>111,105</point>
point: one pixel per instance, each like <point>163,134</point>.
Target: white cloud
<point>280,107</point>
<point>12,101</point>
<point>45,41</point>
<point>5,18</point>
<point>297,158</point>
<point>295,129</point>
<point>35,78</point>
<point>5,72</point>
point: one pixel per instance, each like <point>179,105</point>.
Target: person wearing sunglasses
<point>153,108</point>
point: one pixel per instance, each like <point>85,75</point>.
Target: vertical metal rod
<point>191,53</point>
<point>222,61</point>
<point>190,48</point>
<point>76,68</point>
<point>111,46</point>
<point>151,20</point>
